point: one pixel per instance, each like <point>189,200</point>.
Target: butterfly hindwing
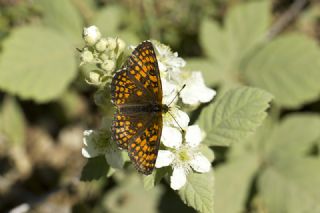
<point>143,148</point>
<point>125,126</point>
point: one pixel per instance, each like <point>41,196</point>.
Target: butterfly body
<point>136,92</point>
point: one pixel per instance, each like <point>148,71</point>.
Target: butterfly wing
<point>125,91</point>
<point>125,126</point>
<point>143,67</point>
<point>144,146</point>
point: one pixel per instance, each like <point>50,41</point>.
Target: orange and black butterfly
<point>136,92</point>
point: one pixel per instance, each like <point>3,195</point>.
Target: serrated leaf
<point>36,63</point>
<point>281,69</point>
<point>238,174</point>
<point>95,169</point>
<point>296,134</point>
<point>13,123</point>
<point>291,186</point>
<point>212,74</point>
<point>234,116</point>
<point>62,16</point>
<point>198,192</point>
<point>108,20</point>
<point>245,26</point>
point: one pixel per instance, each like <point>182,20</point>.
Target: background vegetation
<point>45,104</point>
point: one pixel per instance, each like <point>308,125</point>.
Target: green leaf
<point>282,69</point>
<point>211,71</point>
<point>198,192</point>
<point>291,186</point>
<point>245,27</point>
<point>150,181</point>
<point>62,16</point>
<point>95,169</point>
<point>13,123</point>
<point>296,134</point>
<point>108,20</point>
<point>234,116</point>
<point>239,175</point>
<point>36,63</point>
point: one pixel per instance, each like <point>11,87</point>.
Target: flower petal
<point>182,118</point>
<point>196,90</point>
<point>171,137</point>
<point>193,136</point>
<point>169,91</point>
<point>164,158</point>
<point>178,178</point>
<point>200,163</point>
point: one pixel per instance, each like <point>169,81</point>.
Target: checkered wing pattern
<point>136,90</point>
<point>143,149</point>
<point>125,90</point>
<point>125,126</point>
<point>143,66</point>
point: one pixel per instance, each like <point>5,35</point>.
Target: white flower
<point>95,144</point>
<point>182,156</point>
<point>169,63</point>
<point>196,91</point>
<point>174,117</point>
<point>91,35</point>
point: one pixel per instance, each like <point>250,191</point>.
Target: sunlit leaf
<point>288,67</point>
<point>234,116</point>
<point>36,63</point>
<point>62,16</point>
<point>198,192</point>
<point>12,120</point>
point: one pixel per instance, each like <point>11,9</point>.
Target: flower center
<point>184,155</point>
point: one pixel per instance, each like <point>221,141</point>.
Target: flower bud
<point>91,35</point>
<point>111,43</point>
<point>108,65</point>
<point>87,56</point>
<point>101,45</point>
<point>121,45</point>
<point>94,78</point>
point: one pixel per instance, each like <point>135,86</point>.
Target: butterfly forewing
<point>144,68</point>
<point>137,93</point>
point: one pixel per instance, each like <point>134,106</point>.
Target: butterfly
<point>136,92</point>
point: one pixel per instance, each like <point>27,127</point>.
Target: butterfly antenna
<point>177,94</point>
<point>176,121</point>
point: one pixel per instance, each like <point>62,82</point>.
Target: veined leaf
<point>234,116</point>
<point>198,192</point>
<point>36,63</point>
<point>282,69</point>
<point>12,121</point>
<point>62,16</point>
<point>291,186</point>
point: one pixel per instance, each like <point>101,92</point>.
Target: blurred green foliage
<point>45,104</point>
